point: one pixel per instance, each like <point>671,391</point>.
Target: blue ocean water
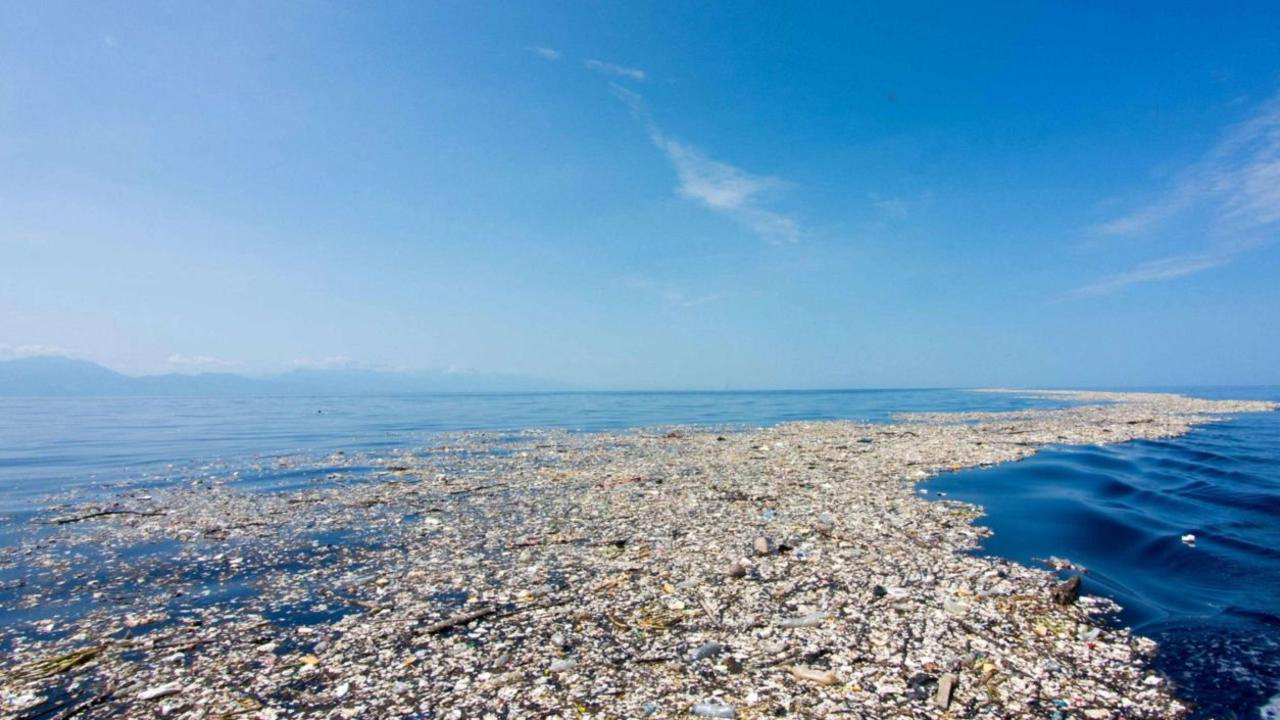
<point>1119,510</point>
<point>54,444</point>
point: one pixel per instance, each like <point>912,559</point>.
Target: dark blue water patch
<point>1121,512</point>
<point>19,526</point>
<point>1228,664</point>
<point>30,617</point>
<point>331,537</point>
<point>150,550</point>
<point>227,593</point>
<point>452,598</point>
<point>57,703</point>
<point>297,477</point>
<point>138,578</point>
<point>173,577</point>
<point>289,615</point>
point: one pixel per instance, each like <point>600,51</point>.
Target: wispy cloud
<point>339,362</point>
<point>1168,268</point>
<point>1149,216</point>
<point>891,207</point>
<point>675,296</point>
<point>617,70</point>
<point>199,362</point>
<point>544,52</point>
<point>1234,189</point>
<point>334,362</point>
<point>1246,172</point>
<point>14,352</point>
<point>718,186</point>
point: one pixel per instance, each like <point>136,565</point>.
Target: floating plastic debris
<point>617,555</point>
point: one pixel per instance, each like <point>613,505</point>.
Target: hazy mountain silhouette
<point>67,377</point>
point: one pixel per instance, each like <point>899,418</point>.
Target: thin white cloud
<point>340,362</point>
<point>1147,217</point>
<point>335,362</point>
<point>1235,189</point>
<point>544,52</point>
<point>891,207</point>
<point>731,191</point>
<point>15,352</point>
<point>675,296</point>
<point>1153,271</point>
<point>198,362</point>
<point>617,70</point>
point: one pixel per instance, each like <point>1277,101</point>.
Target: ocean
<point>1120,511</point>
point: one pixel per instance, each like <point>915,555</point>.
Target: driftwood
<point>477,488</point>
<point>237,526</point>
<point>100,513</point>
<point>711,611</point>
<point>537,542</point>
<point>184,645</point>
<point>461,619</point>
<point>60,664</point>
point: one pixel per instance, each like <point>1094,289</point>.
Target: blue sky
<point>628,195</point>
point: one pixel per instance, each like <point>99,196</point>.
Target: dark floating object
<point>102,513</point>
<point>1068,592</point>
<point>921,686</point>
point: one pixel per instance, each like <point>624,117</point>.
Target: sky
<point>647,195</point>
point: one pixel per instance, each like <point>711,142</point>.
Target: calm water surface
<point>1119,510</point>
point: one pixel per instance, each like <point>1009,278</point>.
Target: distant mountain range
<point>67,377</point>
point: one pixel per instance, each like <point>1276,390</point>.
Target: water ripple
<point>1121,511</point>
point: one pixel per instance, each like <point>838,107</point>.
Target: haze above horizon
<point>647,196</point>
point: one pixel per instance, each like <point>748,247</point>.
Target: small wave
<point>1260,616</point>
<point>1122,510</point>
<point>1099,458</point>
